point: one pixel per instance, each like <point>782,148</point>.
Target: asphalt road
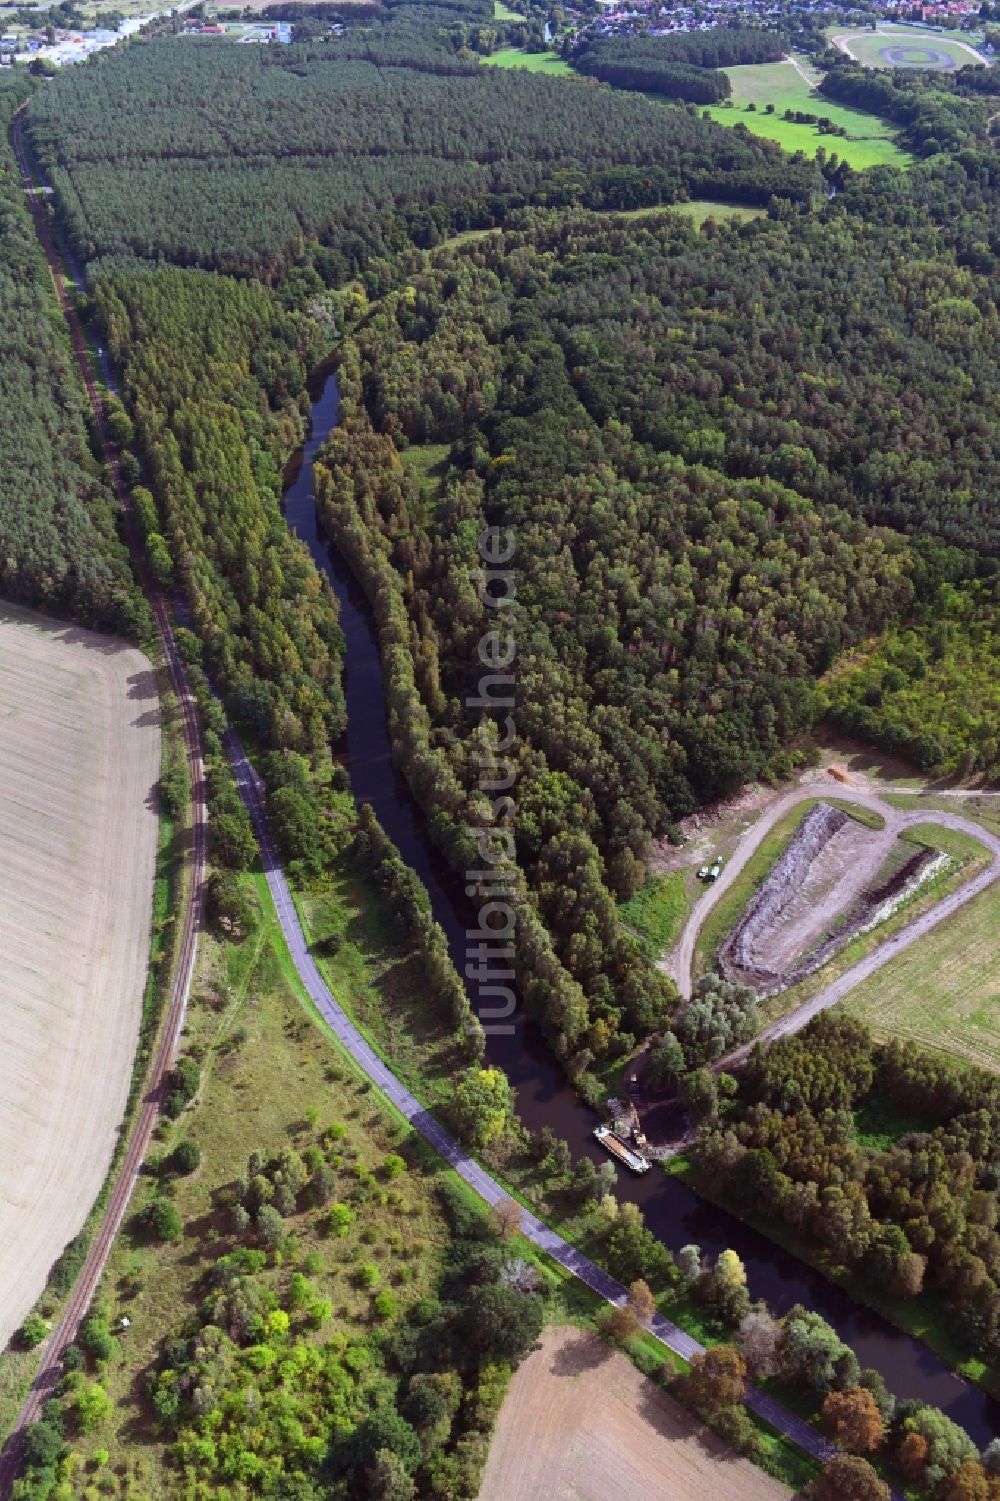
<point>444,1144</point>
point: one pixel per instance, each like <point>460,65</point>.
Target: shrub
<point>384,1305</point>
<point>161,1220</point>
<point>339,1219</point>
<point>95,1337</point>
<point>32,1331</point>
<point>185,1157</point>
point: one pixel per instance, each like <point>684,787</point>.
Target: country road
<point>679,964</point>
<point>487,1188</point>
<point>190,919</point>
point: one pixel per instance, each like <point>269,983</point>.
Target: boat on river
<point>613,1143</point>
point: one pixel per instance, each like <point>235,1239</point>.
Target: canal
<point>673,1211</point>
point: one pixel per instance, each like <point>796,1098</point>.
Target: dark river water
<point>674,1212</point>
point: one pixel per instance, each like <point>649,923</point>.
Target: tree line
<point>60,547</point>
<point>212,371</point>
<point>686,66</point>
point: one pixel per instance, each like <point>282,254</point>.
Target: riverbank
<point>930,1322</point>
<point>544,1097</point>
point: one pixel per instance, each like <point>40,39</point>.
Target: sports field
<point>79,762</point>
<point>869,143</point>
<point>945,990</point>
<point>580,1423</point>
<point>535,62</point>
<point>903,47</point>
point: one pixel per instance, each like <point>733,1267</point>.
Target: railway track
<point>166,1048</point>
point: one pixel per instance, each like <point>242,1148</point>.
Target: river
<point>672,1210</point>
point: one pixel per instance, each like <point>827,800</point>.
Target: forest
<point>728,458</point>
<point>59,543</point>
<point>238,158</point>
<point>914,1211</point>
<point>685,66</point>
<point>935,117</point>
<point>701,474</point>
<point>930,692</point>
<point>750,477</point>
<point>213,453</point>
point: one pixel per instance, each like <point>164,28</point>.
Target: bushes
<point>184,1158</point>
<point>32,1331</point>
<point>160,1220</point>
<point>226,903</point>
<point>183,1083</point>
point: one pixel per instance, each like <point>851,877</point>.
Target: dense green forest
<point>198,353</point>
<point>726,459</point>
<point>235,157</point>
<point>930,692</point>
<point>689,439</point>
<point>916,1211</point>
<point>59,546</point>
<point>685,66</point>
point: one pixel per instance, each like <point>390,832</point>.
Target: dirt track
<point>846,37</point>
<point>580,1423</point>
<point>820,784</point>
<point>79,760</point>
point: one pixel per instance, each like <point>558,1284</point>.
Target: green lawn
<point>929,49</point>
<point>657,911</point>
<point>870,140</point>
<point>503,12</point>
<point>428,462</point>
<point>700,209</point>
<point>535,62</point>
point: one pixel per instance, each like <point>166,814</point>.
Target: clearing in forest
<point>535,62</point>
<point>79,762</point>
<point>580,1423</point>
<point>869,143</point>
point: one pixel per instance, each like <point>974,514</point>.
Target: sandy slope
<point>580,1423</point>
<point>79,759</point>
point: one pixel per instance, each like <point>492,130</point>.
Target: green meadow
<point>535,62</point>
<point>870,141</point>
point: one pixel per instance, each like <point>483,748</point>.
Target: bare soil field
<point>79,761</point>
<point>580,1423</point>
